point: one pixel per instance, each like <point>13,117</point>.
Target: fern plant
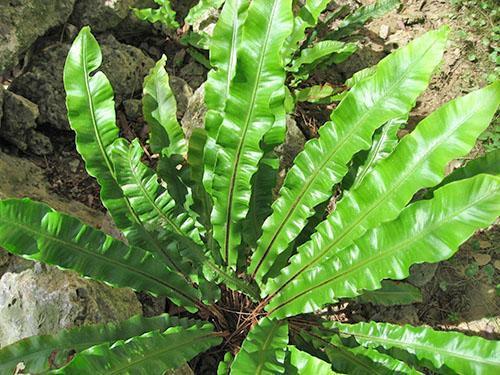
<point>200,228</point>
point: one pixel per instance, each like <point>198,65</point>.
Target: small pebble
<point>384,31</point>
<point>73,165</point>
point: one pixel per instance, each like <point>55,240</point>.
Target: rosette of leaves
<point>248,270</point>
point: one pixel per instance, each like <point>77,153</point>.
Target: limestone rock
<point>194,74</point>
<point>22,22</point>
<point>18,125</point>
<point>125,66</point>
<point>22,178</point>
<point>19,118</point>
<point>182,92</point>
<point>12,263</point>
<point>194,116</point>
<point>132,108</point>
<point>294,143</point>
<point>421,274</point>
<point>100,15</point>
<point>42,84</point>
<point>46,300</point>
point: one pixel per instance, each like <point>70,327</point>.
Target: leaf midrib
<point>383,254</point>
<point>266,345</point>
<point>102,149</point>
<point>327,160</point>
<point>346,231</point>
<point>235,169</point>
<point>78,248</point>
<point>397,343</point>
<point>159,352</point>
<point>373,159</point>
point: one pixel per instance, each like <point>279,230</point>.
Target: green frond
<point>255,98</point>
<point>152,353</point>
<point>160,112</point>
<point>264,349</point>
<point>36,352</point>
<point>461,353</point>
<point>388,94</point>
<point>426,231</point>
<point>35,231</point>
<point>419,161</point>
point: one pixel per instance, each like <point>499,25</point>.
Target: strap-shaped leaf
<point>320,94</point>
<point>325,48</point>
<point>166,135</point>
<point>223,53</point>
<point>426,231</point>
<point>151,353</point>
<point>37,352</point>
<point>302,363</point>
<point>361,16</point>
<point>461,353</point>
<point>307,17</point>
<point>419,161</point>
<point>160,112</point>
<point>489,163</point>
<point>153,204</point>
<point>91,113</point>
<point>255,98</point>
<point>331,50</point>
<point>201,203</point>
<point>263,182</point>
<point>264,349</point>
<point>385,141</point>
<point>180,237</point>
<point>35,231</point>
<point>390,93</point>
<point>355,360</point>
<point>392,293</point>
<point>200,10</point>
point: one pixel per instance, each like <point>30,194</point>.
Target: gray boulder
<point>194,74</point>
<point>421,274</point>
<point>100,15</point>
<point>39,144</point>
<point>18,125</point>
<point>23,22</point>
<point>294,143</point>
<point>125,66</point>
<point>194,116</point>
<point>132,109</point>
<point>42,84</point>
<point>19,120</point>
<point>45,300</point>
<point>182,92</point>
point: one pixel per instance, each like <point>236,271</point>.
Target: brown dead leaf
<point>482,259</point>
<point>497,264</point>
<point>484,244</point>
